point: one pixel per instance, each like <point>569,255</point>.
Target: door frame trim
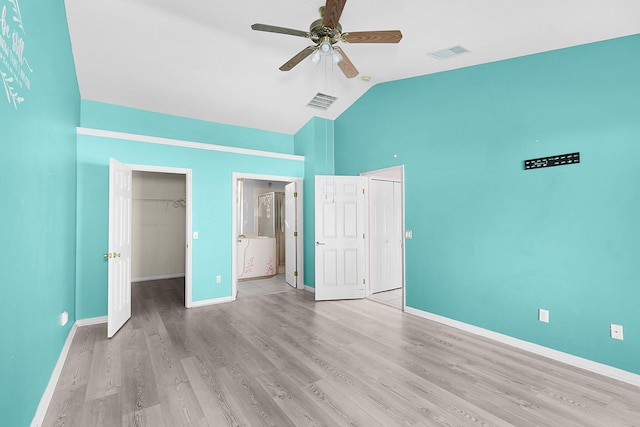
<point>235,176</point>
<point>188,299</point>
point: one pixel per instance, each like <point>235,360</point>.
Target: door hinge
<point>363,237</point>
<point>295,194</point>
<point>362,190</point>
<point>363,281</point>
<point>295,274</point>
<point>295,234</point>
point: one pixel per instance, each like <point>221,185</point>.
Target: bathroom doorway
<point>267,227</point>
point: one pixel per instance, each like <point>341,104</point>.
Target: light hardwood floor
<point>392,298</point>
<point>284,360</point>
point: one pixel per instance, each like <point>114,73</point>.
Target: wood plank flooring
<point>284,360</point>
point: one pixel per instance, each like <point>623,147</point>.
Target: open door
<point>340,224</point>
<point>119,255</point>
<point>290,234</point>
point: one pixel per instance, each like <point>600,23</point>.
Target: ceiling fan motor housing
<point>317,31</point>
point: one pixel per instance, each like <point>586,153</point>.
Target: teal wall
<point>211,193</point>
<point>492,242</point>
<point>37,222</point>
<point>116,118</point>
<point>315,142</point>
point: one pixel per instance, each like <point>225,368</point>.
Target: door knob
<point>319,243</point>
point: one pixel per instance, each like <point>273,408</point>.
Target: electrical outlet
<point>218,279</point>
<point>543,315</point>
<point>616,332</point>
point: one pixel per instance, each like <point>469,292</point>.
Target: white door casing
<point>340,224</point>
<point>290,233</point>
<point>119,255</point>
<point>299,224</point>
<point>386,235</point>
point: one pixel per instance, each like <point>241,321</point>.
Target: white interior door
<point>386,235</point>
<point>340,224</point>
<point>119,255</point>
<point>290,234</point>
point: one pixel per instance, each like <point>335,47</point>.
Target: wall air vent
<point>322,101</point>
<point>448,53</point>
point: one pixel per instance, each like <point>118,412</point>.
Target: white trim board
<point>181,143</point>
<point>569,359</point>
<point>163,277</point>
<point>211,301</point>
<point>91,321</point>
<point>45,400</point>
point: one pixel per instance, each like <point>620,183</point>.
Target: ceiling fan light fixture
<point>315,58</point>
<point>336,57</point>
<point>325,46</point>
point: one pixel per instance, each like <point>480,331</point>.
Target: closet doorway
<point>386,236</point>
<point>158,229</point>
<point>267,230</point>
<point>124,224</point>
<point>160,226</point>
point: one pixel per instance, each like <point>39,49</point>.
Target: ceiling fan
<point>325,33</point>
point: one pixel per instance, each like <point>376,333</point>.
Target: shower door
<point>266,215</point>
<point>271,223</point>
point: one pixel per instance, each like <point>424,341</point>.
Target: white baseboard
<point>569,359</point>
<point>45,400</point>
<point>163,277</point>
<point>91,321</point>
<point>309,289</point>
<point>211,301</point>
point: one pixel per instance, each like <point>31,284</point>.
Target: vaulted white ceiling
<point>200,58</point>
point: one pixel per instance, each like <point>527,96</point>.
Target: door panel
<point>290,233</point>
<point>340,237</point>
<point>119,255</point>
<point>386,235</point>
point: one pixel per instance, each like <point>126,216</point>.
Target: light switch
<point>195,235</point>
<point>408,234</point>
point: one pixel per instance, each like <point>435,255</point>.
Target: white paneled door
<point>119,255</point>
<point>386,235</point>
<point>290,234</point>
<point>340,225</point>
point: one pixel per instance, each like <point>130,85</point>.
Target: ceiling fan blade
<point>345,64</point>
<point>279,30</point>
<point>298,58</point>
<point>387,36</point>
<point>332,12</point>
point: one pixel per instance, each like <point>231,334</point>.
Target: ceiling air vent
<point>322,101</point>
<point>448,53</point>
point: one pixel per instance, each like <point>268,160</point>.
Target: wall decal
<point>559,160</point>
<point>14,67</point>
